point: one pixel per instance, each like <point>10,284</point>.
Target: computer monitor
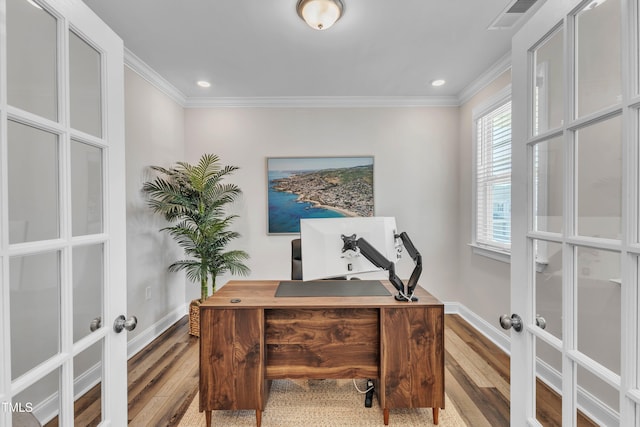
<point>322,245</point>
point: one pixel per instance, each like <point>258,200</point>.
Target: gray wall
<point>422,177</point>
<point>415,173</point>
<point>483,284</point>
<point>416,180</point>
<point>154,136</point>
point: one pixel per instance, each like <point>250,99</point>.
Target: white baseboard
<point>48,408</point>
<point>485,328</point>
<point>145,338</point>
<point>591,406</point>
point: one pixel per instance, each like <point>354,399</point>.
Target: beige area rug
<point>327,403</point>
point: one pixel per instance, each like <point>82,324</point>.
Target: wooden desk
<point>244,345</point>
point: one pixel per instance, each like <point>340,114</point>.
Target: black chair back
<point>296,259</point>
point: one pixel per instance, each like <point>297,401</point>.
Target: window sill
<point>491,253</point>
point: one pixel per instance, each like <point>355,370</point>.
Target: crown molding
<point>325,102</point>
<point>149,74</point>
<point>503,64</point>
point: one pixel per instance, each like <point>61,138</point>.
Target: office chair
<point>296,259</point>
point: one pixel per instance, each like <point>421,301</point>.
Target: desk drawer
<point>412,368</point>
<point>231,354</point>
<point>322,343</point>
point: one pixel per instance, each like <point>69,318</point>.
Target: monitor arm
<point>417,259</point>
<point>376,258</point>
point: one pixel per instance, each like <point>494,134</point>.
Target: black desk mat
<point>332,288</point>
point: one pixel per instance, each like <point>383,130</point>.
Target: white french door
<point>575,210</point>
<point>62,213</point>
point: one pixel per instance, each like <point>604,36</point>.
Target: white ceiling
<point>261,48</point>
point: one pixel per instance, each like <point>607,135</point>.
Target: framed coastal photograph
<point>317,187</point>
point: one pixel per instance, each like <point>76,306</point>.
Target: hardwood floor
<point>163,380</point>
<point>477,380</point>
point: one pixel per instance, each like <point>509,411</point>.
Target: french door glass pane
<point>599,179</point>
<point>85,86</point>
<point>86,188</point>
<point>549,363</point>
<point>31,59</point>
<point>33,184</point>
<point>548,285</point>
<point>41,397</point>
<point>88,274</point>
<point>599,390</point>
<point>548,160</point>
<point>87,389</point>
<point>599,305</point>
<point>548,108</point>
<point>35,310</point>
<point>598,83</point>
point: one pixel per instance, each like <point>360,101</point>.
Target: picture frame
<point>317,187</point>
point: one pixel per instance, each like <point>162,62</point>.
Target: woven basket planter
<point>194,318</point>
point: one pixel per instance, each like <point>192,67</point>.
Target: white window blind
<point>493,179</point>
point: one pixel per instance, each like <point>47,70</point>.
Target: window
<point>492,177</point>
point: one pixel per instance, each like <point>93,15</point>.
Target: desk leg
<point>258,417</point>
<point>436,415</point>
<point>207,418</point>
<point>386,416</point>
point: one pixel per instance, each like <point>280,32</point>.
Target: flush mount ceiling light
<point>438,82</point>
<point>320,14</point>
<point>203,83</point>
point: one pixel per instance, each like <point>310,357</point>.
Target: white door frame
<point>523,359</point>
<point>74,15</point>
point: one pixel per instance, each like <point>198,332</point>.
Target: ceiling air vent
<point>511,14</point>
<point>521,6</point>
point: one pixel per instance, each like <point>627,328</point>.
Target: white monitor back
<point>322,243</point>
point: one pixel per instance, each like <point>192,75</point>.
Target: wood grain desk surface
<point>261,294</point>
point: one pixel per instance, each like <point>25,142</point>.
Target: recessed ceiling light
<point>438,82</point>
<point>204,83</point>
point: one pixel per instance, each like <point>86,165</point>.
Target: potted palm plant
<point>193,199</point>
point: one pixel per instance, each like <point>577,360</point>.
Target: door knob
<point>514,321</point>
<point>541,322</point>
<point>124,323</point>
<point>95,324</point>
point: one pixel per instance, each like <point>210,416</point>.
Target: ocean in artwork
<point>285,211</point>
